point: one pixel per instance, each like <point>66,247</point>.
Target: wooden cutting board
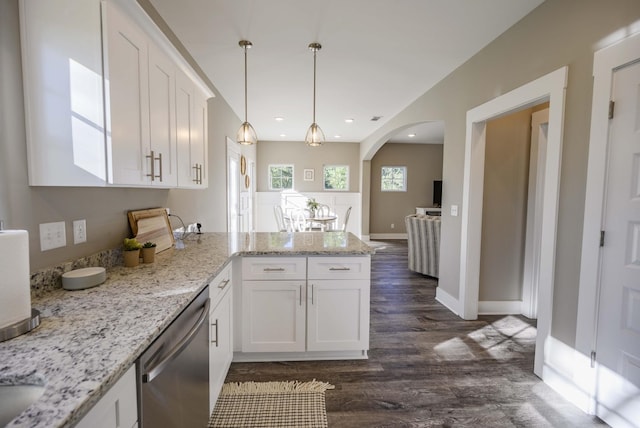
<point>152,225</point>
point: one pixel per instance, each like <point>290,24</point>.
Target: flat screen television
<point>437,193</point>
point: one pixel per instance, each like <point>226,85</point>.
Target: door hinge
<point>593,359</point>
<point>612,106</point>
<point>602,238</point>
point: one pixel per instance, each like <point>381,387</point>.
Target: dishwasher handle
<point>154,371</point>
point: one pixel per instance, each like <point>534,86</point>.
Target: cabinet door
<point>338,315</point>
<point>221,346</point>
<point>117,408</point>
<point>198,149</point>
<point>161,160</point>
<point>273,316</point>
<point>127,88</point>
<point>187,171</point>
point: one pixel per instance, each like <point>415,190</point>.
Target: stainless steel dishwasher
<point>173,373</point>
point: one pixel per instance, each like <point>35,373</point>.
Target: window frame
<point>281,165</point>
<point>404,178</point>
<point>324,182</point>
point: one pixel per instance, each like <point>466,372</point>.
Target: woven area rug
<point>271,404</point>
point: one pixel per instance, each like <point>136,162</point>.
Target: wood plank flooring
<point>427,367</point>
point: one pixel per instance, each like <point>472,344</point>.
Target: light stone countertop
<point>87,339</point>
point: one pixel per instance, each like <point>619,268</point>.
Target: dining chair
<point>299,221</point>
<point>280,221</point>
<point>344,225</point>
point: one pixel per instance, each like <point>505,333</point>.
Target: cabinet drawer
<point>268,268</point>
<point>339,267</point>
<point>221,283</point>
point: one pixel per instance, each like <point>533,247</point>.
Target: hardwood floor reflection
<point>427,367</point>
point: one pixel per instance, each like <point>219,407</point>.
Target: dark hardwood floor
<point>427,367</point>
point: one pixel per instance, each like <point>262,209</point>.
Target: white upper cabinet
<point>162,155</point>
<point>101,96</point>
<point>191,113</point>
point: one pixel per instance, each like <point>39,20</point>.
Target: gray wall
<point>504,211</point>
<point>24,207</point>
<point>424,164</point>
<point>304,157</point>
<point>557,33</point>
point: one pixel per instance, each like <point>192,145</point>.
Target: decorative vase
<point>148,254</point>
<point>131,258</point>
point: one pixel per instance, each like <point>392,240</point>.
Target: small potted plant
<point>313,205</point>
<point>131,252</point>
<point>148,252</point>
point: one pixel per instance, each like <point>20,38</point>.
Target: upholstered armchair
<point>423,238</point>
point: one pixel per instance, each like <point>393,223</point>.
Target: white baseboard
<point>447,300</point>
<point>506,307</point>
<point>375,236</point>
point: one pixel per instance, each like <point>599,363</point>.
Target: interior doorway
<point>550,87</point>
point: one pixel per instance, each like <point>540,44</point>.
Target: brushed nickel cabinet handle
<point>195,180</point>
<point>153,165</point>
<point>313,286</point>
<point>215,324</point>
<point>342,268</point>
<point>273,269</point>
<point>223,284</point>
<point>160,162</point>
<point>300,294</point>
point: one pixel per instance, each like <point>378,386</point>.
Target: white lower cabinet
<point>118,408</point>
<point>338,315</point>
<point>273,315</point>
<point>323,308</point>
<point>220,333</point>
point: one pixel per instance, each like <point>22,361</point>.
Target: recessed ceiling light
<point>283,135</point>
<point>349,120</point>
<point>411,135</point>
<point>279,119</point>
<point>337,136</point>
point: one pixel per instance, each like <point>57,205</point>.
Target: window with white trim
<point>336,177</point>
<point>393,179</point>
<point>280,177</point>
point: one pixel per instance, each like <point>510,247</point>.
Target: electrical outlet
<point>393,226</point>
<point>79,231</point>
<point>454,210</point>
<point>52,235</point>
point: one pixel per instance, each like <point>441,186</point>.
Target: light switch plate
<point>454,210</point>
<point>52,235</point>
<point>79,231</point>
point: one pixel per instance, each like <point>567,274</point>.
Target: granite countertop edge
<point>89,338</point>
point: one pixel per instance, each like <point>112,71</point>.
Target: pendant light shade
<point>315,136</point>
<point>246,134</point>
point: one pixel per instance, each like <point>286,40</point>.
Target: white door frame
<point>233,151</point>
<point>550,87</point>
<point>606,62</point>
<point>535,202</point>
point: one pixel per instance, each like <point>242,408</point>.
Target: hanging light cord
<point>315,50</point>
<point>245,83</point>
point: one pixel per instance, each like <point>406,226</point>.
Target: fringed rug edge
<point>235,388</point>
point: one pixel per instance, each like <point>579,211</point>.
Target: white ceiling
<point>377,56</point>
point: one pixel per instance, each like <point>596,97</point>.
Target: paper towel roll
<point>15,288</point>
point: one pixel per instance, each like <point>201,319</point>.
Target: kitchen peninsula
<point>89,338</point>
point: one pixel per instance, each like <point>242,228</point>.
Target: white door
<point>618,330</point>
<point>233,187</point>
<point>538,152</point>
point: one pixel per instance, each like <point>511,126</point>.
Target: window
<point>280,177</point>
<point>336,177</point>
<point>394,179</point>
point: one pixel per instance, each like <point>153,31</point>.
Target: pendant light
<point>314,137</point>
<point>246,134</point>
